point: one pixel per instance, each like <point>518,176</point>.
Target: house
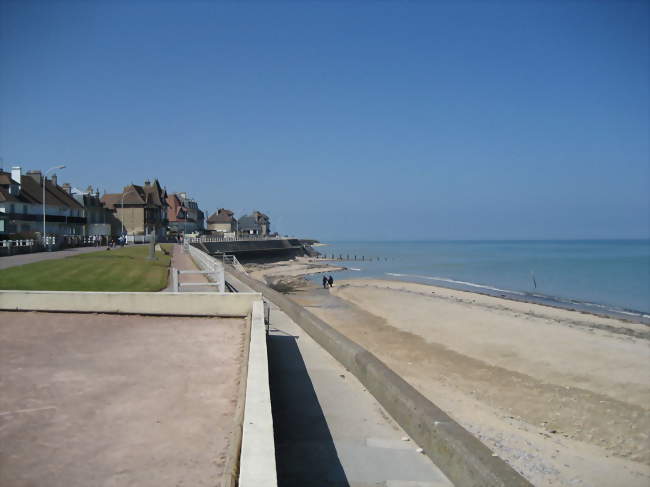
<point>140,210</point>
<point>222,221</point>
<point>98,217</point>
<point>256,223</point>
<point>21,205</point>
<point>183,214</point>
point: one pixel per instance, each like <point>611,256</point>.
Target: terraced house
<point>21,206</point>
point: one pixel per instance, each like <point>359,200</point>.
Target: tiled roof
<point>220,218</point>
<point>32,192</point>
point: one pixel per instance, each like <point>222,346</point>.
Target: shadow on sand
<point>305,452</point>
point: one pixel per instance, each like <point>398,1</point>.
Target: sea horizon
<point>601,276</point>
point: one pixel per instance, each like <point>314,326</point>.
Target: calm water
<point>598,275</point>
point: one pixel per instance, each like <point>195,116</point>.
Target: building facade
<point>21,205</point>
<point>257,223</point>
<point>139,210</point>
<point>184,214</point>
<point>222,221</point>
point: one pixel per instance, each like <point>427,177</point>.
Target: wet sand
<point>561,395</point>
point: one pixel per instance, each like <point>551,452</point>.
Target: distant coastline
<point>601,277</point>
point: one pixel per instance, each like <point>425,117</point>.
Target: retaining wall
<point>190,304</point>
<point>462,457</point>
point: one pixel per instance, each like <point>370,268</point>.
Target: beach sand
<point>561,395</point>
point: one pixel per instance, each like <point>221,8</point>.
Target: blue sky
<point>345,120</point>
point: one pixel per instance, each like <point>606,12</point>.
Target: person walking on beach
<point>330,281</point>
<point>325,282</point>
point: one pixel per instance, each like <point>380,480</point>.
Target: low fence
<point>208,265</point>
<point>240,238</point>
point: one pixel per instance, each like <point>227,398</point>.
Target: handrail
<point>208,263</point>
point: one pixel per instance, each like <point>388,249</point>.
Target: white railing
<point>232,260</point>
<point>234,239</point>
<point>208,265</point>
<point>17,243</point>
<point>134,239</point>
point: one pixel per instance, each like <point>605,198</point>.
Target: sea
<point>608,277</point>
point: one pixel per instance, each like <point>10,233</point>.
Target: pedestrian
<point>330,281</point>
<point>325,282</point>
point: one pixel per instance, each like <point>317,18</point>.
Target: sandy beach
<point>561,395</point>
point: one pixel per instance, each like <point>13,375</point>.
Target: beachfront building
<point>257,223</point>
<point>222,221</point>
<point>98,217</point>
<point>21,205</point>
<point>142,210</point>
<point>183,214</point>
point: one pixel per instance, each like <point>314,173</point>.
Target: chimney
<point>66,187</point>
<point>35,175</point>
<point>15,174</point>
<point>53,179</point>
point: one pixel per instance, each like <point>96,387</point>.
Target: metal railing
<point>232,260</point>
<point>208,265</point>
<point>234,239</point>
<point>17,243</point>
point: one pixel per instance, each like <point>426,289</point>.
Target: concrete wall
<point>257,463</point>
<point>190,304</point>
<point>461,456</point>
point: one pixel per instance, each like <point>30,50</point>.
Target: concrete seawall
<point>462,457</point>
<point>255,249</point>
<point>189,304</point>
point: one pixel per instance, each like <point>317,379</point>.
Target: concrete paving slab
<point>109,400</point>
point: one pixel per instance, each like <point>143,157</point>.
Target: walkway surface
<point>116,400</point>
<point>328,429</point>
<point>184,262</point>
<point>21,259</point>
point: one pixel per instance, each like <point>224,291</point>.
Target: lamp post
<point>44,178</point>
<point>132,190</point>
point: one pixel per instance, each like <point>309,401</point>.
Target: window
<point>25,209</point>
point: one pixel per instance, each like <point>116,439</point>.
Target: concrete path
<point>184,262</point>
<point>329,430</point>
<point>21,259</point>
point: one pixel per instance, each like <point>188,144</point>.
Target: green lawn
<point>124,269</point>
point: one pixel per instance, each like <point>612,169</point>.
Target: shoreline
<point>558,302</point>
<point>561,395</point>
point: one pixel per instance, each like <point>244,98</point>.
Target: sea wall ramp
<point>462,457</point>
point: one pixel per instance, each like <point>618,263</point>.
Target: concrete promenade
<point>184,262</point>
<point>328,429</point>
<point>22,259</point>
<point>117,400</point>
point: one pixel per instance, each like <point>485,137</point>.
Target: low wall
<point>257,461</point>
<point>462,457</point>
<point>190,304</point>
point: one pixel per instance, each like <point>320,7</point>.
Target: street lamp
<point>132,190</point>
<point>44,178</point>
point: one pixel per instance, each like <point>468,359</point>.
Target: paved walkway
<point>329,430</point>
<point>21,259</point>
<point>184,262</point>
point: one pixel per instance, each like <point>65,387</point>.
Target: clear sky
<point>345,120</point>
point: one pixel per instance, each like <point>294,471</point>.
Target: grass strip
<point>124,269</point>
